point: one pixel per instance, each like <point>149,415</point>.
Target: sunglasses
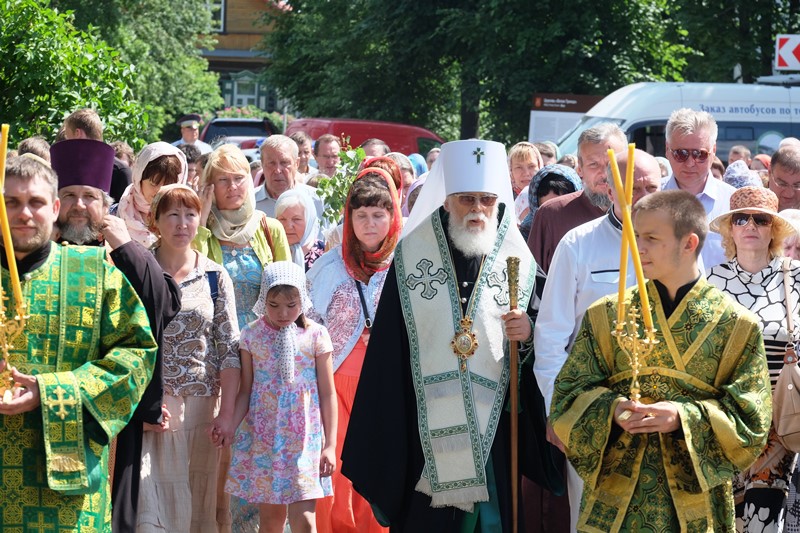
<point>682,154</point>
<point>469,200</point>
<point>759,219</point>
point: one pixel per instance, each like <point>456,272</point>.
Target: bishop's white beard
<point>473,242</point>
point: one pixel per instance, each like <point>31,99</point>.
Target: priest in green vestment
<point>665,463</point>
<point>81,366</point>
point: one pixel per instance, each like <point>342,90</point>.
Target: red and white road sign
<point>787,52</point>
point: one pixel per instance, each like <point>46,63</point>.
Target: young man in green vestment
<point>81,366</point>
<point>665,462</point>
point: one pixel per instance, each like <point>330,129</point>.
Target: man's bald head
<point>646,177</point>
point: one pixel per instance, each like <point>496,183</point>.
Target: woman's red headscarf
<point>765,160</point>
<point>389,165</point>
<point>361,264</point>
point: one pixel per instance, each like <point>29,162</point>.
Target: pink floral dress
<point>277,449</point>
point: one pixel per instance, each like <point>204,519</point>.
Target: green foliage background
<point>465,68</point>
<point>469,68</point>
<point>163,40</point>
<point>48,69</point>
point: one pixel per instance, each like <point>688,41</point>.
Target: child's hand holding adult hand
<point>327,461</point>
<point>222,431</point>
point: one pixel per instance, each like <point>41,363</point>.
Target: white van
<point>757,116</point>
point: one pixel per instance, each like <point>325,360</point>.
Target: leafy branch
<point>333,190</point>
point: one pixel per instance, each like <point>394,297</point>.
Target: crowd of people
<point>203,351</point>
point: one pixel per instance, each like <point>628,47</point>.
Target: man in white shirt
<point>190,133</point>
<point>585,267</point>
<point>691,145</point>
<point>279,161</point>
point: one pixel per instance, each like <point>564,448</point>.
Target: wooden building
<point>236,57</point>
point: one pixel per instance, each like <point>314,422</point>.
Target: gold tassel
<point>65,463</point>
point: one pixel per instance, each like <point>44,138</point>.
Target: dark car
<point>236,131</point>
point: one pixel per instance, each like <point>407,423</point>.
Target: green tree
<point>572,47</point>
<point>465,68</point>
<point>163,41</point>
<point>339,58</point>
<point>48,69</point>
<point>735,32</point>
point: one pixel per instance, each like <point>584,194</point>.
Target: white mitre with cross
<point>463,166</point>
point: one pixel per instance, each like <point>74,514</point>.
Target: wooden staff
<point>512,264</point>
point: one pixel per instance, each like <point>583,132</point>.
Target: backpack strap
<point>213,284</point>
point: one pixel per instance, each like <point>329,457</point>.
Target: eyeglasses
<point>681,155</point>
<point>759,219</point>
<point>782,184</point>
<point>469,200</point>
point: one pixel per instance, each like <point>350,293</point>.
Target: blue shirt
<point>716,199</point>
<point>204,148</point>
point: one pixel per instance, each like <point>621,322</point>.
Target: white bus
<point>755,115</point>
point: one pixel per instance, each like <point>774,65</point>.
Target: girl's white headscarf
<point>133,208</point>
<point>284,273</point>
<point>296,197</point>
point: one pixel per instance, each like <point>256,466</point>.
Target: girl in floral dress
<point>284,452</point>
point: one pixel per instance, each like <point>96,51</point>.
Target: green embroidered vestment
<point>88,342</point>
<point>710,363</point>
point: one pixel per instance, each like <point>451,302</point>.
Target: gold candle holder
<point>9,331</point>
<point>636,348</point>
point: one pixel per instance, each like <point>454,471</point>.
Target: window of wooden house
<point>245,92</point>
<point>217,9</point>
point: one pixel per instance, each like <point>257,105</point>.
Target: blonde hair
<point>228,158</point>
<point>524,151</point>
<point>779,234</point>
<point>687,121</point>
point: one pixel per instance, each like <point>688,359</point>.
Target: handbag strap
<point>368,320</point>
<point>268,236</point>
<point>790,356</point>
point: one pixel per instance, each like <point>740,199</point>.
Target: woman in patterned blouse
<point>201,377</point>
<point>752,235</point>
<point>344,286</point>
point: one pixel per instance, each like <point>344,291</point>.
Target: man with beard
<point>84,171</point>
<point>81,367</point>
<point>554,219</point>
<point>428,439</point>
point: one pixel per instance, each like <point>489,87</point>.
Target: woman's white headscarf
<point>296,197</point>
<point>234,225</point>
<point>133,208</point>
